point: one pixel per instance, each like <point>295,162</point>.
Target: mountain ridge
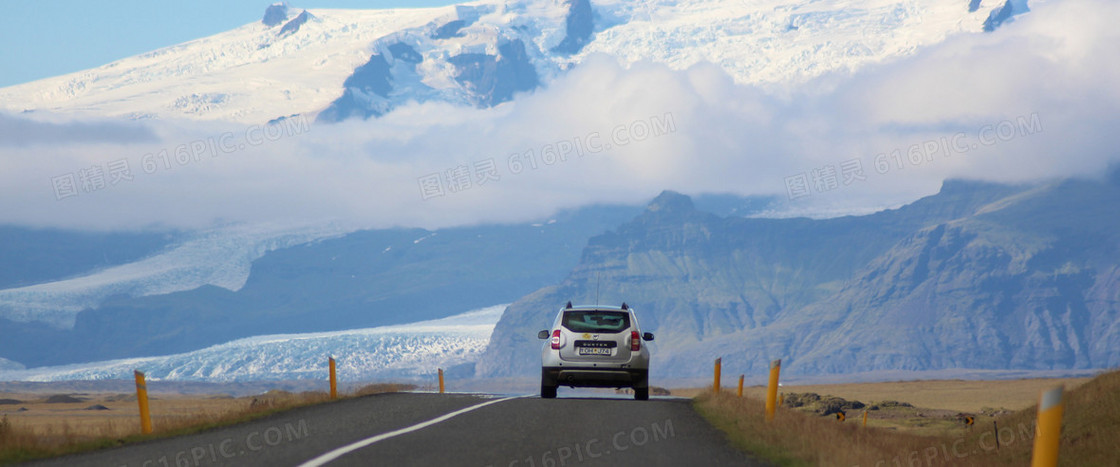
<point>977,276</point>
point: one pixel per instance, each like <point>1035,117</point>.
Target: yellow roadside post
<point>715,383</point>
<point>142,398</point>
<point>772,390</point>
<point>864,418</point>
<point>334,382</point>
<point>1049,431</point>
<point>441,380</point>
<point>741,385</point>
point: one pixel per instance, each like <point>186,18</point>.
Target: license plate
<point>594,351</point>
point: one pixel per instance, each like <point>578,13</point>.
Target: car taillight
<point>555,339</point>
<point>635,341</point>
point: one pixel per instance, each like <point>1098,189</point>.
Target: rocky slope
<point>977,276</point>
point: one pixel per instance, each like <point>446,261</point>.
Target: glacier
<point>399,352</point>
<point>220,257</point>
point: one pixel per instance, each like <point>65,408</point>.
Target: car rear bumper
<point>595,377</point>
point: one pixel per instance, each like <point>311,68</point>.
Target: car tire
<point>641,394</point>
<point>548,392</point>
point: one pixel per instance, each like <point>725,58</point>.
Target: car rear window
<point>596,321</point>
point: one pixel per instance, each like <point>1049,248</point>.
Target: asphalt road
<point>450,429</point>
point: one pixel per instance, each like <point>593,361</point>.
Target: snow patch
<point>8,365</point>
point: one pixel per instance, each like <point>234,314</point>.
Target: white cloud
<point>1056,66</point>
<point>39,129</point>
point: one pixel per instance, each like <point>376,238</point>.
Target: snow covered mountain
<point>343,63</point>
<point>387,352</point>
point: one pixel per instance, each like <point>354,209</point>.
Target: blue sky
<point>49,38</point>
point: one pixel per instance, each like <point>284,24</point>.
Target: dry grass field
<point>928,433</point>
<point>34,425</point>
<point>933,407</point>
<point>956,395</point>
<point>107,414</point>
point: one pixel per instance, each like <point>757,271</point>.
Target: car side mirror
<point>647,336</point>
<point>544,334</point>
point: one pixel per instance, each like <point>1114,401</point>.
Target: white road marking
<point>342,451</point>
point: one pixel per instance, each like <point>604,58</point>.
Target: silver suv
<point>595,346</point>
